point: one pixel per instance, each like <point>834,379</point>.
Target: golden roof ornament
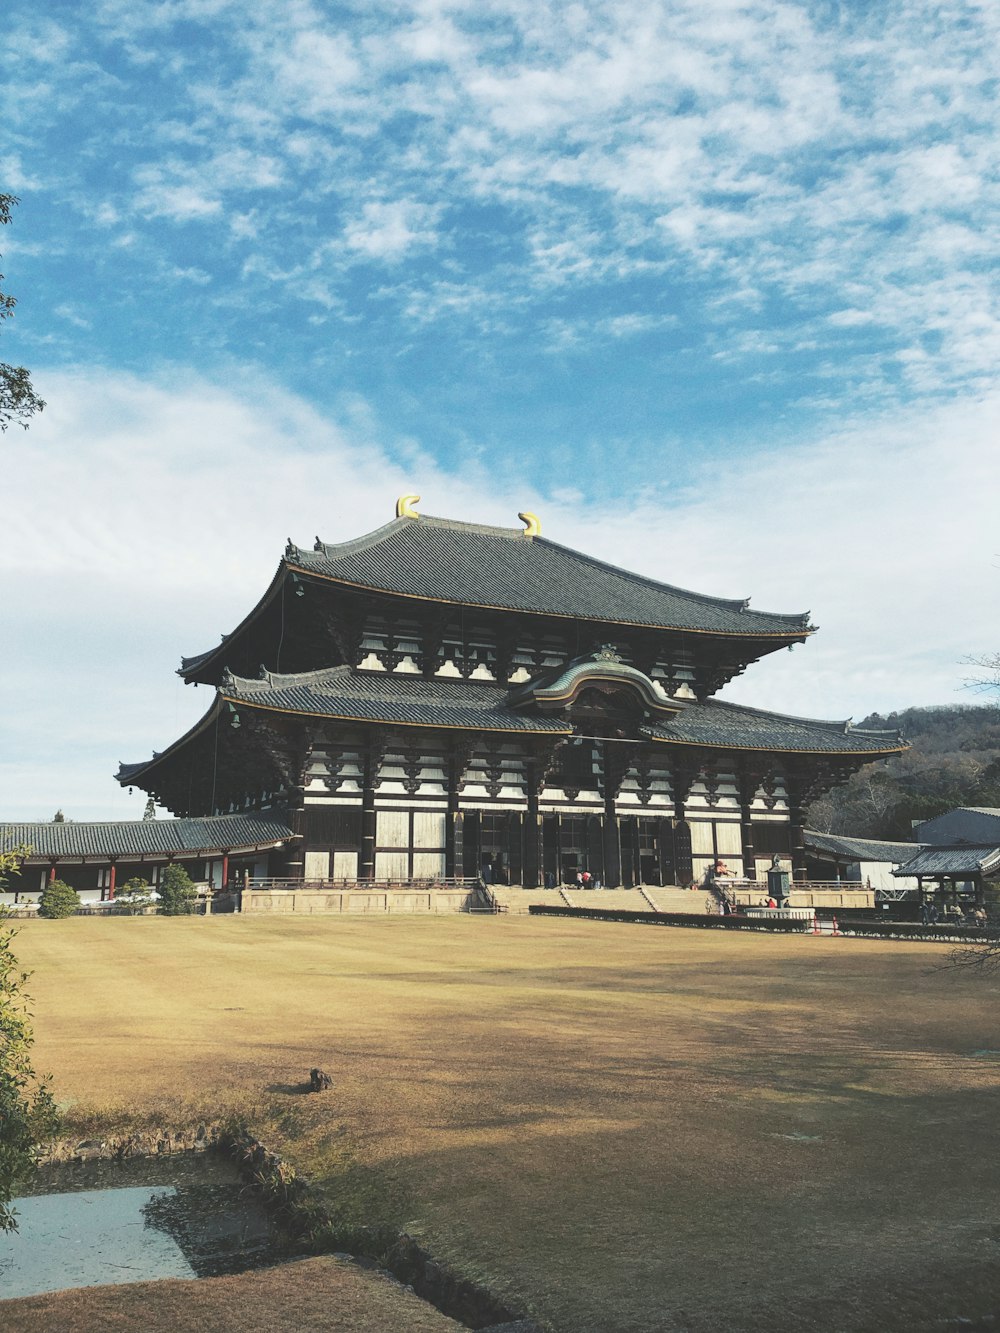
<point>533,524</point>
<point>404,506</point>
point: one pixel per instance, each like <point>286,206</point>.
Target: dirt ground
<point>616,1127</point>
<point>309,1294</point>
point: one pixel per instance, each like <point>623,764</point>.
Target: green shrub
<point>134,897</point>
<point>178,896</point>
<point>58,900</point>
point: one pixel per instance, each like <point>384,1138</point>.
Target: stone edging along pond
<point>288,1196</point>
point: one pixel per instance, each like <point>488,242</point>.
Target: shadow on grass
<point>290,1089</point>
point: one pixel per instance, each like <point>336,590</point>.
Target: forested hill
<point>954,759</point>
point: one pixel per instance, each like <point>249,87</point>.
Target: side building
<point>97,858</point>
<point>445,699</point>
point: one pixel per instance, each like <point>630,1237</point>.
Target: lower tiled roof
<point>339,693</point>
<point>734,726</point>
<point>958,861</point>
<point>859,849</point>
<point>144,837</point>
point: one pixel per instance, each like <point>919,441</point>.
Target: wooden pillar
<point>611,837</point>
<point>797,833</point>
<point>366,861</point>
<point>375,749</point>
<point>52,871</point>
<point>665,851</point>
<point>295,861</point>
<point>368,819</point>
<point>684,771</point>
<point>611,846</point>
<point>533,874</point>
<point>454,831</point>
<point>748,789</point>
<point>225,871</point>
<point>111,882</point>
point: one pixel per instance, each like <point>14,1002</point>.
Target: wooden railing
<point>278,884</point>
<point>493,902</point>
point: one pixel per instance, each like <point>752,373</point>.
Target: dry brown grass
<point>320,1294</point>
<point>623,1128</point>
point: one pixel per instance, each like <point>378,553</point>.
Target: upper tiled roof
<point>144,837</point>
<point>734,726</point>
<point>472,565</point>
<point>859,849</point>
<point>338,693</point>
<point>932,861</point>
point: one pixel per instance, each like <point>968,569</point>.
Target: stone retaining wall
<point>359,901</point>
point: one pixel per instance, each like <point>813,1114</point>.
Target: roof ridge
<point>436,521</point>
<point>352,545</point>
<point>355,544</point>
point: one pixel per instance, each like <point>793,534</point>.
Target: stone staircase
<point>695,902</point>
<point>517,900</point>
<point>629,900</point>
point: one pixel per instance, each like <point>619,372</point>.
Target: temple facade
<point>440,699</point>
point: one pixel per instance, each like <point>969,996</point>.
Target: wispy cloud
<point>799,152</point>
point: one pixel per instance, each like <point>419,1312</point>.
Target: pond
<point>88,1224</point>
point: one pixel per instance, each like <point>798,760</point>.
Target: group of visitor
<point>581,879</point>
<point>951,914</point>
<point>585,880</point>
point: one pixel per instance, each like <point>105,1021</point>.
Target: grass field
<point>621,1128</point>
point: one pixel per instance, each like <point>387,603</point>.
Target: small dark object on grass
<point>318,1080</point>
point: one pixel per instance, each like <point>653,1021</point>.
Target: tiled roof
<point>859,849</point>
<point>952,861</point>
<point>339,693</point>
<point>472,565</point>
<point>143,837</point>
<point>977,826</point>
<point>734,726</point>
<point>402,700</point>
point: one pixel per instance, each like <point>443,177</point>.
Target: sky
<point>712,287</point>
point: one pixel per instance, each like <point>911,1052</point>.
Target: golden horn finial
<point>404,506</point>
<point>533,524</point>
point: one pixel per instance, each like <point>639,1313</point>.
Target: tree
<point>134,897</point>
<point>177,892</point>
<point>27,1111</point>
<point>990,664</point>
<point>58,900</point>
<point>18,400</point>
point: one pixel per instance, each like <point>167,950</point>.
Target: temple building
<point>445,699</point>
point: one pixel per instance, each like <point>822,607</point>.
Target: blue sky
<point>711,286</point>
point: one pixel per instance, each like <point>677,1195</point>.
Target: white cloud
<point>154,513</point>
<point>389,230</point>
<point>789,150</point>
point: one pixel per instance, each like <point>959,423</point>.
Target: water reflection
<point>100,1222</point>
<point>87,1239</point>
